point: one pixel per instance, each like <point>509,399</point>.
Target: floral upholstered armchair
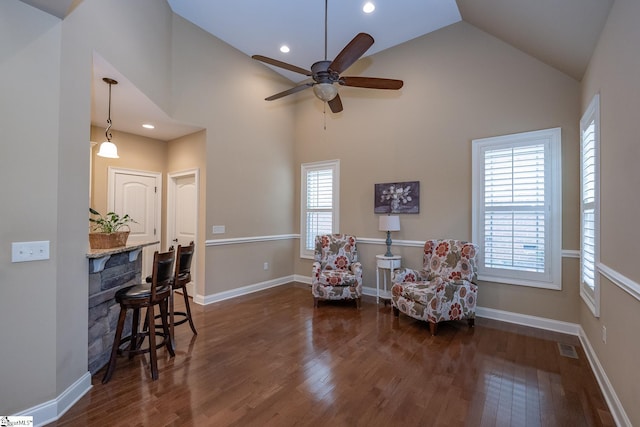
<point>337,274</point>
<point>444,289</point>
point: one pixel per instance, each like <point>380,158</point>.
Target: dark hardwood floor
<point>271,359</point>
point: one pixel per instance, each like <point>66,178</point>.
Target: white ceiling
<point>561,33</point>
<point>261,27</point>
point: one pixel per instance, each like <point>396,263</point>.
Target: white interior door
<point>182,214</point>
<point>138,194</point>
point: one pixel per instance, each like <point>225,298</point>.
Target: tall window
<point>319,200</point>
<point>517,214</point>
<point>589,205</point>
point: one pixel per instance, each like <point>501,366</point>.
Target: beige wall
<point>29,109</point>
<point>249,154</point>
<point>459,84</point>
<point>613,72</point>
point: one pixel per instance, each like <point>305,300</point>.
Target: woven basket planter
<point>108,241</point>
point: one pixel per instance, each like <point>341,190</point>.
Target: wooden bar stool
<point>181,279</point>
<point>146,295</point>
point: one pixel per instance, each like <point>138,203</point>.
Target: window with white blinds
<point>319,199</point>
<point>516,208</point>
<point>589,202</point>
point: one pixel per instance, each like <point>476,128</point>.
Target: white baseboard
<point>610,396</point>
<point>302,279</point>
<point>526,320</point>
<point>50,411</point>
<point>233,293</point>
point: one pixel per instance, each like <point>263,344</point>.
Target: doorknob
<point>175,240</point>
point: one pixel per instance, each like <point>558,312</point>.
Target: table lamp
<point>389,223</point>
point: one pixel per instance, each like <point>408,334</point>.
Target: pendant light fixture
<point>108,149</point>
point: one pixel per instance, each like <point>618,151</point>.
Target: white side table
<point>385,263</point>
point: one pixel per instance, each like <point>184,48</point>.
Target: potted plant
<point>107,230</point>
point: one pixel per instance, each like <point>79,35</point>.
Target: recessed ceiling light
<point>368,7</point>
<point>148,126</point>
<point>284,48</point>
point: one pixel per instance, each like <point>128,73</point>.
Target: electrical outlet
<point>29,251</point>
<point>265,266</point>
<point>604,334</point>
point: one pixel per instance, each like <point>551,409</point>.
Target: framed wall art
<point>397,197</point>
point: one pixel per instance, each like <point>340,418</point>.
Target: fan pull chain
<point>324,114</point>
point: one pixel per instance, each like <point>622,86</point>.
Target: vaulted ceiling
<point>562,34</point>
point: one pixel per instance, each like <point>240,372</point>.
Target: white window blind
<point>514,206</point>
<point>589,212</point>
<point>319,208</point>
<point>517,208</point>
<point>588,205</point>
<point>319,204</point>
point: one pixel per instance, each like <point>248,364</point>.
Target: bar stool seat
<point>145,295</point>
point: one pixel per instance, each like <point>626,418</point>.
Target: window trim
<point>334,165</point>
<point>591,297</point>
<point>552,140</point>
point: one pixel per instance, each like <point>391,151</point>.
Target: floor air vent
<point>567,350</point>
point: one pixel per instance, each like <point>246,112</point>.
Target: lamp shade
<point>109,150</point>
<point>389,223</point>
<point>325,91</point>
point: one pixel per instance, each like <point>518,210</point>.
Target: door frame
<point>170,230</point>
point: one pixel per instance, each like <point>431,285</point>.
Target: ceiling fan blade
<point>351,52</point>
<point>335,104</point>
<point>289,91</point>
<point>371,82</point>
<point>281,64</point>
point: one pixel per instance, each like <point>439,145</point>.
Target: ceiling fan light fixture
<point>325,91</point>
<point>325,73</point>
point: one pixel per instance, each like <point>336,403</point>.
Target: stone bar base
<point>109,271</point>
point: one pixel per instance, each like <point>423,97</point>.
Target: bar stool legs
<point>136,339</point>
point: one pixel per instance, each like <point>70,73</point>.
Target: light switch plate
<point>218,229</point>
<point>29,251</point>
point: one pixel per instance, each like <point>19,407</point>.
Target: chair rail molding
<point>566,253</point>
<point>250,239</point>
<point>620,280</point>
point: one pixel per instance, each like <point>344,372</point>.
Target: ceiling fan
<point>325,74</point>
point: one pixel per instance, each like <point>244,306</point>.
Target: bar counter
<point>109,271</point>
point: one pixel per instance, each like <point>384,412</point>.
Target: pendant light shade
<point>108,149</point>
